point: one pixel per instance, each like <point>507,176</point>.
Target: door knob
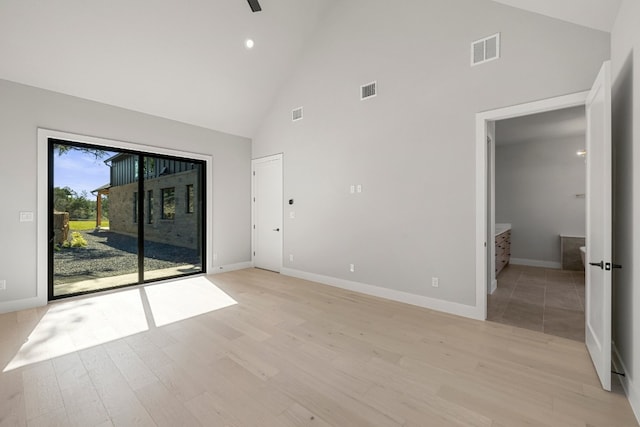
<point>608,266</point>
<point>598,264</point>
<point>276,229</point>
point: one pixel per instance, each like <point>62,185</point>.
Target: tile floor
<point>540,299</point>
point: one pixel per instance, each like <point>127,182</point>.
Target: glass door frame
<point>142,152</point>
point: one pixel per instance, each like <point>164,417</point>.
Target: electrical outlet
<point>3,285</point>
<point>352,268</point>
<point>435,282</point>
<point>290,257</point>
<point>292,215</point>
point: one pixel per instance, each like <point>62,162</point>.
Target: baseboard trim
<point>390,294</point>
<point>33,302</point>
<point>630,389</point>
<point>494,286</point>
<point>22,304</point>
<point>217,269</point>
<point>535,263</point>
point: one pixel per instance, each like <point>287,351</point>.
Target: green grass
<point>86,225</point>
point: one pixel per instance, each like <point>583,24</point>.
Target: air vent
<point>368,91</point>
<point>485,50</point>
<point>296,114</point>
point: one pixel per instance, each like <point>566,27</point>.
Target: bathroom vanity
<point>503,246</point>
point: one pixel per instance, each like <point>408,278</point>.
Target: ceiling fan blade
<point>255,6</point>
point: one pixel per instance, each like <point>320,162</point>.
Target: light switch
<point>26,216</point>
<point>359,188</point>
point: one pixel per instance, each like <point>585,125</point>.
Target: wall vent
<point>296,114</point>
<point>485,50</point>
<point>368,91</point>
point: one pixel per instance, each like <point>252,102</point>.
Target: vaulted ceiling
<point>597,14</point>
<point>182,60</point>
<point>186,61</point>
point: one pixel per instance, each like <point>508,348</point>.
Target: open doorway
<point>598,275</point>
<point>539,186</point>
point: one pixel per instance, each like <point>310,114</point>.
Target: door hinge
<point>254,173</point>
<point>254,253</point>
<point>254,226</point>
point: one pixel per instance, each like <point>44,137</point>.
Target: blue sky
<point>80,171</point>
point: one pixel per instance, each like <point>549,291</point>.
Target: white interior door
<point>267,213</point>
<point>598,272</point>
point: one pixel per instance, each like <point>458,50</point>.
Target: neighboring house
<point>171,202</point>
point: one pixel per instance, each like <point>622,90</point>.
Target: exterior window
<point>191,204</point>
<point>168,203</point>
<point>150,206</point>
<point>135,207</point>
<point>150,167</point>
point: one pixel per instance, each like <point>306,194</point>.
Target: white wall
<point>413,146</point>
<point>536,187</point>
<point>23,109</point>
<point>625,40</point>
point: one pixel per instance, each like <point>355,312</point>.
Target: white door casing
<point>599,224</point>
<point>484,178</point>
<point>267,208</point>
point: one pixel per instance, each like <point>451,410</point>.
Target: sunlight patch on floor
<point>74,325</point>
<point>70,326</point>
<point>175,301</point>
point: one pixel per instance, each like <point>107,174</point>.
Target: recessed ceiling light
<point>248,43</point>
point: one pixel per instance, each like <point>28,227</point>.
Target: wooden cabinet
<point>503,250</point>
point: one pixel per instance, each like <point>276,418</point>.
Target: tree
<point>62,198</point>
<point>79,206</point>
<point>63,149</point>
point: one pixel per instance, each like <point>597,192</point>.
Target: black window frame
<point>138,205</point>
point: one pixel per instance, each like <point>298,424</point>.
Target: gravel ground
<point>112,254</point>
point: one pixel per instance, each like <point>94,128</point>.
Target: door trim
<point>483,245</point>
<point>270,158</point>
<point>42,203</point>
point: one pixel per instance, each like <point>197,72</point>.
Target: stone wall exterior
<point>183,230</point>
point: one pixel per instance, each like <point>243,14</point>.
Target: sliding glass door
<point>172,216</point>
<point>120,218</point>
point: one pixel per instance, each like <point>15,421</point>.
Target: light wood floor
<point>278,351</point>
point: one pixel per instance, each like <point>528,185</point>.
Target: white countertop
<point>501,228</point>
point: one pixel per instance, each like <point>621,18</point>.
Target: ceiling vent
<point>485,50</point>
<point>368,91</point>
<point>296,114</point>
